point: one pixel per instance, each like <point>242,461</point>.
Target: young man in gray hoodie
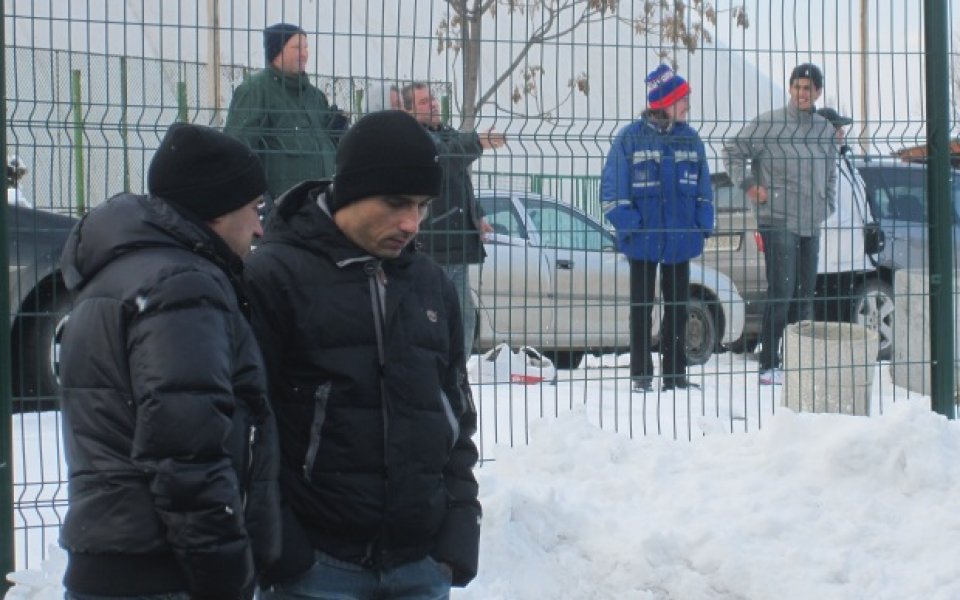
<point>784,160</point>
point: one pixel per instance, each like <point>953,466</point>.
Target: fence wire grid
<point>91,86</point>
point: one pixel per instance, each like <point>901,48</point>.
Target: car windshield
<point>900,193</point>
<point>501,216</point>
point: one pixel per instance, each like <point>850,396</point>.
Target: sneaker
<point>677,382</point>
<point>771,377</point>
<point>642,384</point>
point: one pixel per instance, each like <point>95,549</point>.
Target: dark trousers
<point>675,290</point>
<point>791,264</point>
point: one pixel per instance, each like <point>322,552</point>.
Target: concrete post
<point>828,367</point>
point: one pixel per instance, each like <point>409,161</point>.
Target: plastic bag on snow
<point>526,366</point>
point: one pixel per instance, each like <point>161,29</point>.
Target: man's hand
<point>490,140</point>
<point>485,229</point>
<point>758,194</point>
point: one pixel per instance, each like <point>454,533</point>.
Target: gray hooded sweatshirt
<point>792,153</point>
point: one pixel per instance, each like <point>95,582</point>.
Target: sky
<point>737,75</point>
<point>579,504</point>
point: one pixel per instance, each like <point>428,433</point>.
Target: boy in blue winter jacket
<point>656,192</point>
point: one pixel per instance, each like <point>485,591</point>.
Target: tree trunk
<point>472,35</point>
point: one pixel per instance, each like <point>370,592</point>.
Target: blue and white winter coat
<point>656,192</point>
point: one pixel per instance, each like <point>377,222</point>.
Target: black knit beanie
<point>386,152</point>
<point>276,37</point>
<point>204,171</point>
<point>808,71</point>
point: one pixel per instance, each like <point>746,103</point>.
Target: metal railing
<point>90,90</point>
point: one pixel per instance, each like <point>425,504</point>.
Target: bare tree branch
<point>676,23</point>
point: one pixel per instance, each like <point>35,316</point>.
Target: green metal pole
<point>124,128</point>
<point>445,109</point>
<point>358,101</point>
<point>76,101</point>
<point>182,101</point>
<point>536,183</point>
<point>940,207</point>
<point>7,548</point>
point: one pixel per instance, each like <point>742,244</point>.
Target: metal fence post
<point>6,427</point>
<point>182,101</point>
<point>358,101</point>
<point>76,102</point>
<point>940,208</point>
<point>445,109</point>
<point>124,128</point>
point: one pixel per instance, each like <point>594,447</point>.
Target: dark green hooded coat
<point>289,124</point>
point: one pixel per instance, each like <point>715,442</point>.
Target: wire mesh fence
<point>92,86</point>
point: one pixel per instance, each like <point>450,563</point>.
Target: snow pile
<point>813,506</point>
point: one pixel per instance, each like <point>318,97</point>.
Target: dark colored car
<point>897,192</point>
<point>38,302</point>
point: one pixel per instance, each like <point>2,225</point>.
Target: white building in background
<point>733,79</point>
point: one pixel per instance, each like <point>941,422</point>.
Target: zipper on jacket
<point>252,438</point>
<point>451,418</point>
<point>446,215</point>
<point>320,398</point>
<point>378,297</point>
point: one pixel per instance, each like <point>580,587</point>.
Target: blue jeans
<point>170,596</point>
<point>332,579</point>
<point>468,311</point>
<point>791,265</point>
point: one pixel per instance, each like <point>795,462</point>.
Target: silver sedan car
<point>554,280</point>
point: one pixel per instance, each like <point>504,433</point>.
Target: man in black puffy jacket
<point>364,350</point>
<point>171,445</point>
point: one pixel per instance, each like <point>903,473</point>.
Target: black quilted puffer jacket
<point>171,445</point>
<point>366,368</point>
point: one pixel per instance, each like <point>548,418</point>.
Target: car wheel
<point>702,332</point>
<point>873,308</point>
<point>565,359</point>
<point>36,360</point>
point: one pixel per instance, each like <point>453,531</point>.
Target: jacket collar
<point>302,218</point>
<point>657,120</point>
<point>128,223</point>
<point>795,113</point>
<point>287,80</point>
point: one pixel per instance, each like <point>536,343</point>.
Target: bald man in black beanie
<point>364,348</point>
<point>171,446</point>
<point>283,117</point>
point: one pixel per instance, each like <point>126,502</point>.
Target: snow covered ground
<point>728,495</point>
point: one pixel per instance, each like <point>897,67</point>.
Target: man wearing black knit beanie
<point>164,387</point>
<point>364,348</point>
<point>283,117</point>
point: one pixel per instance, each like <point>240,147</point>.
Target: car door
<point>733,248</point>
<point>513,283</point>
<point>897,193</point>
<point>590,298</point>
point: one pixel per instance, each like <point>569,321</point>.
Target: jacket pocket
<point>451,418</point>
<point>646,173</point>
<point>255,415</point>
<point>320,398</point>
<point>688,172</point>
<point>249,459</point>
